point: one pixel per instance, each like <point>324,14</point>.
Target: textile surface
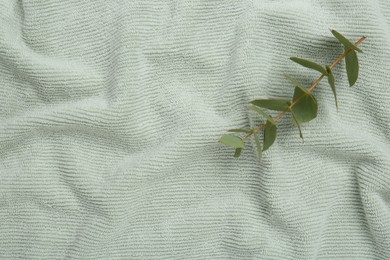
<point>111,111</point>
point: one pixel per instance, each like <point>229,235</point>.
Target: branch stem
<point>337,61</point>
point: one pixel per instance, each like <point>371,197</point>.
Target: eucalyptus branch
<point>303,106</point>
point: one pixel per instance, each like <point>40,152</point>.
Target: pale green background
<point>110,114</point>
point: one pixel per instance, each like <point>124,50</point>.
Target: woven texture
<point>111,111</point>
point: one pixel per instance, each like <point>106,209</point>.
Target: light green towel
<point>111,111</point>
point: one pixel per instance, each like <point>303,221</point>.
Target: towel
<point>111,111</point>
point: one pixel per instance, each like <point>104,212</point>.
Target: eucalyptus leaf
<point>306,109</point>
<point>238,152</point>
<point>232,141</point>
<point>297,124</point>
<point>240,130</point>
<point>258,146</point>
<point>347,44</point>
<point>309,64</point>
<point>278,104</point>
<point>262,112</point>
<point>332,84</point>
<point>269,136</point>
<point>352,66</point>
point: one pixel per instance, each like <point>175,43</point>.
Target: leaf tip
<point>301,135</point>
<point>237,152</point>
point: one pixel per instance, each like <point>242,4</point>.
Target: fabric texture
<point>111,111</point>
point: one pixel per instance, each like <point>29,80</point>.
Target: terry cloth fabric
<point>111,111</point>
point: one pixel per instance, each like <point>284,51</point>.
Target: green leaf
<point>332,84</point>
<point>269,136</point>
<point>272,103</point>
<point>309,64</point>
<point>238,152</point>
<point>352,66</point>
<point>293,81</point>
<point>297,124</point>
<point>261,112</point>
<point>240,130</point>
<point>258,146</point>
<point>232,141</point>
<point>306,109</point>
<point>347,44</point>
